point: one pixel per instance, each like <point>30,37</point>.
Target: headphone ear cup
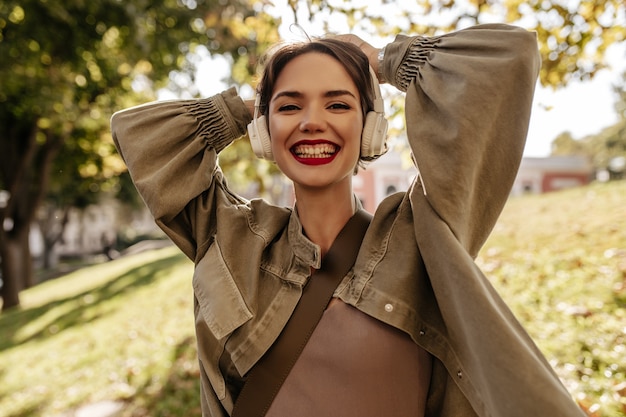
<point>374,135</point>
<point>260,138</point>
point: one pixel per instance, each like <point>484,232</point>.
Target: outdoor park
<point>119,333</point>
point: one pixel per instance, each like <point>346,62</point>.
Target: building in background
<point>535,176</point>
<point>385,176</point>
<point>542,175</point>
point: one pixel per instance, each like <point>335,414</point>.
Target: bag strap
<point>267,376</point>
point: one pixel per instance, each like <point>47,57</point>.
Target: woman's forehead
<point>314,72</point>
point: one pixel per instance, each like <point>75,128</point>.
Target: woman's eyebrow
<point>290,94</point>
<point>338,93</point>
<point>298,94</point>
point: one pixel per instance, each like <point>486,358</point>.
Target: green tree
<point>66,66</point>
<point>620,103</point>
<point>573,35</point>
<point>566,144</point>
<point>606,150</point>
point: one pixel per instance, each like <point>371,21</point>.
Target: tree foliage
<point>606,149</point>
<point>573,35</point>
<point>66,66</point>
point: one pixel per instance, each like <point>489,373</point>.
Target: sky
<point>581,108</point>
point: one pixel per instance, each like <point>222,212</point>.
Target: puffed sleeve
<point>171,148</point>
<point>468,104</point>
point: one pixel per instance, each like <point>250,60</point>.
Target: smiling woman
<point>413,328</point>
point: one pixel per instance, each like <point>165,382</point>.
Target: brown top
<point>355,365</point>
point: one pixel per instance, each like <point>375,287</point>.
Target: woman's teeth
<point>322,150</point>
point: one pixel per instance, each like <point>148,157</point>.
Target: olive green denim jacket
<point>468,101</point>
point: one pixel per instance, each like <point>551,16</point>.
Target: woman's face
<point>315,121</point>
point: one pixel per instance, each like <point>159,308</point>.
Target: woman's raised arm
<point>170,149</point>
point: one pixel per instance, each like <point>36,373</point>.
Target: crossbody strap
<point>267,376</point>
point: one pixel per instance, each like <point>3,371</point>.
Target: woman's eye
<point>339,106</point>
<point>288,107</point>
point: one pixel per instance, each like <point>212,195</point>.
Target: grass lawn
<point>123,330</point>
<point>559,260</point>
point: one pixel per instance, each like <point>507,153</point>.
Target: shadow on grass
<point>27,412</point>
<point>79,309</point>
<point>31,410</point>
<point>178,395</point>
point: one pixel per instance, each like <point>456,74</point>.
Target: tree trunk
<point>52,230</point>
<point>16,267</point>
<point>26,268</point>
<point>50,257</point>
<point>25,175</point>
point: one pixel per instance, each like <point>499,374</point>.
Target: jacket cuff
<point>221,118</point>
<point>404,57</point>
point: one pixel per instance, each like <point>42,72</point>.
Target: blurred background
<point>97,306</point>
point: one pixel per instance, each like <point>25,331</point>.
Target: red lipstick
<point>315,152</point>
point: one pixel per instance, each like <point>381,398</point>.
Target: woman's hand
<point>250,106</point>
<point>370,51</point>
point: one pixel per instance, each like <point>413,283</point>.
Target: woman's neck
<point>324,213</point>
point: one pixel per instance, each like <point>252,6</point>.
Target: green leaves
<point>573,35</point>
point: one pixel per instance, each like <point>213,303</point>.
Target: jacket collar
<point>303,248</point>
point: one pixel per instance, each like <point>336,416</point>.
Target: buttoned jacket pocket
<point>220,301</point>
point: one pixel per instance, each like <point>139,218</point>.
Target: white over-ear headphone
<point>259,134</point>
<point>373,138</point>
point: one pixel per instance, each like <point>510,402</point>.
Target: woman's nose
<point>313,121</point>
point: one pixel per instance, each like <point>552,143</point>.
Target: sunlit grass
<point>112,331</point>
<point>559,260</point>
<point>123,330</point>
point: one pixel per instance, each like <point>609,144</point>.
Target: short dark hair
<point>347,54</point>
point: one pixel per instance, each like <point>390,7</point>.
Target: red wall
<point>553,181</point>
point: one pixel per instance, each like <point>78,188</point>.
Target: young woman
<point>414,328</point>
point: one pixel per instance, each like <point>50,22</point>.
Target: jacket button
<point>422,332</point>
<point>388,308</point>
<point>459,374</point>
